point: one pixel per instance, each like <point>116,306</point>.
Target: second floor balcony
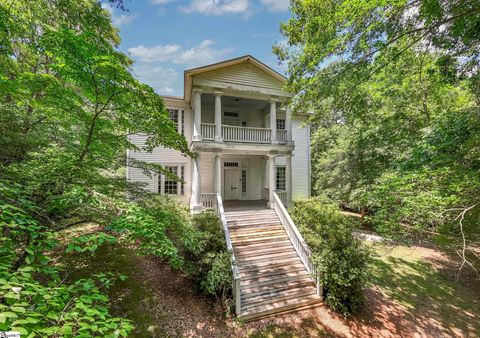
<point>219,118</point>
<point>239,134</point>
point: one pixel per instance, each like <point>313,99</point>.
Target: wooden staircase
<point>273,278</point>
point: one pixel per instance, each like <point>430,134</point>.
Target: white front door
<point>231,188</point>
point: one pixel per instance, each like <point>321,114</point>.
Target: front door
<point>231,184</point>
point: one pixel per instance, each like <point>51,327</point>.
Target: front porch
<point>241,180</point>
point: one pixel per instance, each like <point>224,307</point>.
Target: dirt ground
<point>172,307</point>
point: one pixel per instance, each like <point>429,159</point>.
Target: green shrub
<point>341,259</point>
<point>210,264</point>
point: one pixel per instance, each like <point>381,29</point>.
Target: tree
<point>394,90</point>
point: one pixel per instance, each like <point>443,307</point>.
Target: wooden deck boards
<point>273,278</point>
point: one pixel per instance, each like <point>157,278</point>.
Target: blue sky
<point>165,37</point>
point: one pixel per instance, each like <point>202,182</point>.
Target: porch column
<point>272,180</point>
<point>288,124</point>
<point>218,116</point>
<point>196,184</point>
<point>273,119</point>
<point>217,178</point>
<point>288,178</point>
<point>197,114</point>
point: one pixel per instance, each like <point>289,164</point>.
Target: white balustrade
<point>282,135</point>
<point>246,134</point>
<point>208,131</point>
<point>298,242</point>
<point>233,263</point>
<point>208,200</point>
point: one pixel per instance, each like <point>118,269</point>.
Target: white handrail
<point>233,263</point>
<point>298,242</point>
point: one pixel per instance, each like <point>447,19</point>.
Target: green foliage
<point>394,90</point>
<point>34,299</point>
<point>342,260</point>
<point>210,261</point>
<point>161,226</point>
<point>68,102</point>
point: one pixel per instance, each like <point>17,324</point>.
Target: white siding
<point>162,155</point>
<point>244,74</point>
<point>300,159</point>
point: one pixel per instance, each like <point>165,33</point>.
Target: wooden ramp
<point>273,278</point>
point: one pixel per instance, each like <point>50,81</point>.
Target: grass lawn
<point>413,293</point>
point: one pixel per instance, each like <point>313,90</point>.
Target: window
<point>244,123</point>
<point>244,181</point>
<point>230,164</point>
<point>169,186</point>
<point>178,119</point>
<point>230,114</point>
<point>280,124</point>
<point>281,181</point>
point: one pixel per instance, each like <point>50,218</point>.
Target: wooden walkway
<point>273,278</point>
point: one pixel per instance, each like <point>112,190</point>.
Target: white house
<point>235,117</point>
<point>250,153</point>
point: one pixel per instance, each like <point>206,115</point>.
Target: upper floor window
<point>281,178</point>
<point>178,118</point>
<point>280,124</point>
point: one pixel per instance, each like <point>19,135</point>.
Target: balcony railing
<point>208,131</point>
<point>282,135</point>
<point>246,134</point>
<point>242,134</point>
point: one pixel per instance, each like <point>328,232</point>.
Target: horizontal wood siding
<point>300,159</point>
<point>243,74</point>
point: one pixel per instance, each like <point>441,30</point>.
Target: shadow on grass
<point>435,302</point>
<point>131,298</point>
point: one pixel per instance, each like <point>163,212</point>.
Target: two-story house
<point>252,156</point>
<point>235,116</point>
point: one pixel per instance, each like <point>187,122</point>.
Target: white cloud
<point>276,5</point>
<point>160,2</point>
<point>162,79</point>
<point>217,7</point>
<point>119,19</point>
<point>155,53</point>
<point>202,54</point>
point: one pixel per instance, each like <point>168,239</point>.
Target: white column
<point>273,119</point>
<point>197,114</point>
<point>217,179</point>
<point>288,124</point>
<point>195,203</point>
<point>272,179</point>
<point>288,178</point>
<point>218,116</point>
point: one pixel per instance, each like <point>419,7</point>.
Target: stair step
<point>257,290</point>
<point>268,271</point>
<point>254,228</point>
<point>282,306</point>
<point>254,246</point>
<point>239,223</point>
<point>247,241</point>
<point>271,280</point>
<point>267,257</point>
<point>275,297</point>
<point>251,216</point>
<point>253,266</point>
<point>245,252</point>
<point>254,234</point>
<point>272,292</point>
